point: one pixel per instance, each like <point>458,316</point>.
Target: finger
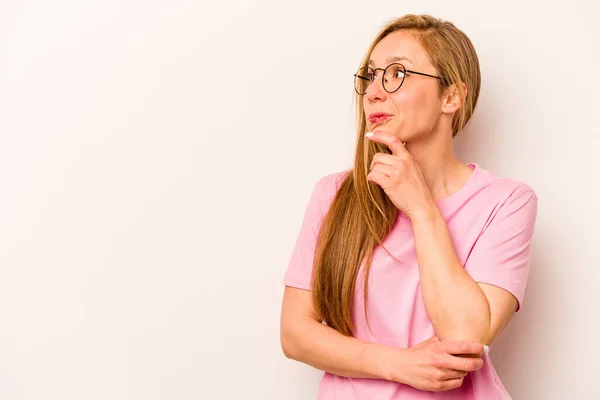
<point>462,347</point>
<point>455,374</point>
<point>451,384</point>
<point>392,141</point>
<point>387,170</point>
<point>379,178</point>
<point>383,158</point>
<point>464,364</point>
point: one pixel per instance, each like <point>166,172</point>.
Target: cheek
<point>413,107</point>
<point>418,111</point>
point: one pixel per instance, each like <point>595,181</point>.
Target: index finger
<point>392,141</point>
<point>462,347</point>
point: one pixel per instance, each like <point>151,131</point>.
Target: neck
<point>442,172</point>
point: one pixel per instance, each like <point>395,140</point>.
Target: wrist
<point>384,362</point>
<point>425,213</point>
<point>374,361</point>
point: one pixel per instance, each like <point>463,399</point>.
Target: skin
<point>421,170</point>
<point>420,118</point>
<point>419,173</point>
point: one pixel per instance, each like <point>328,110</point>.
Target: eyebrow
<point>393,59</point>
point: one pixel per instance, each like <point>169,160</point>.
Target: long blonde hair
<point>361,215</point>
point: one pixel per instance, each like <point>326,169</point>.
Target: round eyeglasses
<point>392,78</point>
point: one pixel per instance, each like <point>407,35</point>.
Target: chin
<point>385,129</point>
<point>382,129</point>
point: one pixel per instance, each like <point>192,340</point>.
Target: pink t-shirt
<point>491,222</point>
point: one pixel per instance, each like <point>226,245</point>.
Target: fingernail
<point>486,349</point>
<point>369,134</point>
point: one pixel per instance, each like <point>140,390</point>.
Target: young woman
<point>445,246</point>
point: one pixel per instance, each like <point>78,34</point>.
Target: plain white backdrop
<point>156,158</point>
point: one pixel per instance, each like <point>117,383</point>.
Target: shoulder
<point>502,189</point>
<point>327,185</point>
<point>506,195</point>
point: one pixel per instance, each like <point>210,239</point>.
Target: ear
<point>454,97</point>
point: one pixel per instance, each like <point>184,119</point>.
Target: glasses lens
<point>362,80</point>
<point>394,77</point>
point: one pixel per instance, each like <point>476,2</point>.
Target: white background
<point>156,158</point>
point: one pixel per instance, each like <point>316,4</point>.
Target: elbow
<point>476,327</point>
<point>288,345</point>
<point>287,349</point>
<point>461,334</point>
<point>479,331</point>
<point>465,335</point>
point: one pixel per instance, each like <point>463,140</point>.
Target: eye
<point>395,73</point>
<point>399,73</point>
<point>365,75</point>
<point>368,76</point>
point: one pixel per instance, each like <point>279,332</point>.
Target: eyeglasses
<point>392,78</point>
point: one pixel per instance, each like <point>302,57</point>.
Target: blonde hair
<point>361,215</point>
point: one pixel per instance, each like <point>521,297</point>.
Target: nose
<point>375,91</point>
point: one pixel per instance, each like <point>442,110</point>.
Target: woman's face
<point>415,108</point>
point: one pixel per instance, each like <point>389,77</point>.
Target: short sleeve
<point>501,254</point>
<point>300,266</point>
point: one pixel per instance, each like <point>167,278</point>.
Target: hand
<point>433,365</point>
<point>399,176</point>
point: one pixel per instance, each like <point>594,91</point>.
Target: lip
<point>378,117</point>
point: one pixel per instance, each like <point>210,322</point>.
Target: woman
<point>445,246</point>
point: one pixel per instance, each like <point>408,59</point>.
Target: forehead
<point>399,46</point>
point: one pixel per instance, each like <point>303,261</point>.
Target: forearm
<point>326,349</point>
<point>457,307</point>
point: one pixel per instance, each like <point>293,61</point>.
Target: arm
<point>431,365</point>
<point>305,339</point>
<point>455,303</point>
<point>476,302</point>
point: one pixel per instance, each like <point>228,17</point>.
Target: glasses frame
<point>374,70</point>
